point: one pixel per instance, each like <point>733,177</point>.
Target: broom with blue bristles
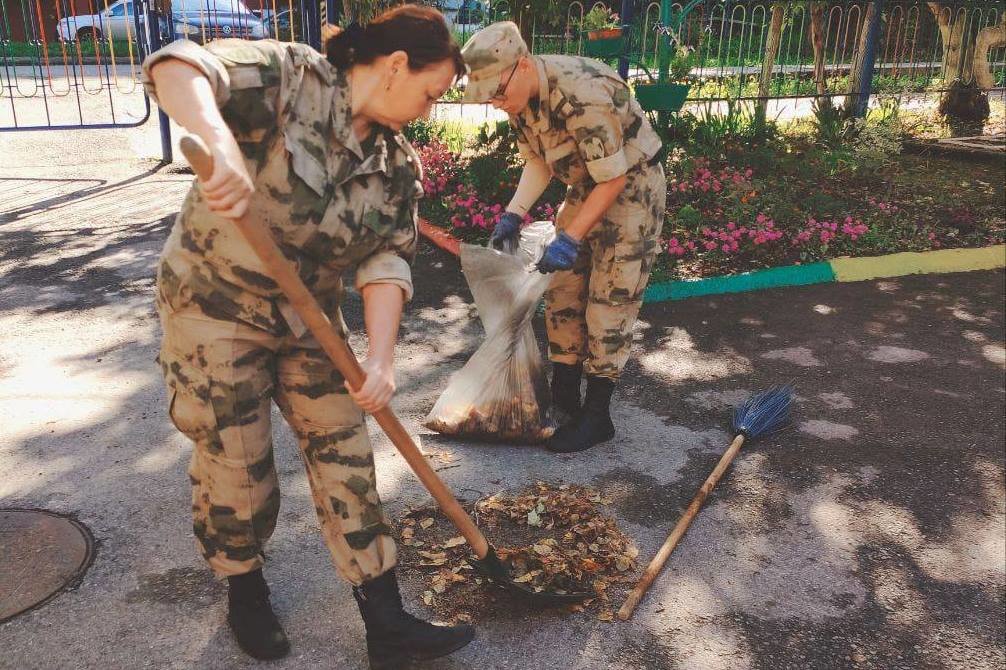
<point>760,414</point>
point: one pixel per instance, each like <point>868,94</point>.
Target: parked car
<point>277,24</point>
<point>118,22</point>
<point>193,19</point>
<point>211,19</point>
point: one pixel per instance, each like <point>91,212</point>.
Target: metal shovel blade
<point>493,569</point>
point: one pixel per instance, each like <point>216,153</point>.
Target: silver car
<point>117,22</point>
<point>198,20</point>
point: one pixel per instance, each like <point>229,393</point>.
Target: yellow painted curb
<point>923,262</point>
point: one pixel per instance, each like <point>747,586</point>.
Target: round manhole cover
<point>40,553</point>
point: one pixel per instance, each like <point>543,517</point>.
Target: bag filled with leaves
<point>501,393</point>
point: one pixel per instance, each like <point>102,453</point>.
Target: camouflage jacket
<point>332,204</point>
<point>585,123</point>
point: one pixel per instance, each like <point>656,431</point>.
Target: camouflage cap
<point>489,52</point>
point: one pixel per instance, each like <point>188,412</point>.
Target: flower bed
<point>734,208</point>
<point>466,192</point>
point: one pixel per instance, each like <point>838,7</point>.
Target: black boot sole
<point>463,642</point>
<point>556,446</point>
<point>396,661</point>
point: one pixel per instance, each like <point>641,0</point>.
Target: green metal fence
<point>817,45</point>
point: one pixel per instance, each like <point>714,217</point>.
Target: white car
<point>117,21</point>
<point>191,19</point>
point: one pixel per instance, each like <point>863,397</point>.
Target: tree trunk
<point>768,63</point>
<point>952,34</point>
<point>771,48</point>
<point>988,38</point>
<point>857,74</point>
<point>964,105</point>
<point>817,37</point>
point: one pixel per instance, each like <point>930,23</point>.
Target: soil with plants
<point>745,195</point>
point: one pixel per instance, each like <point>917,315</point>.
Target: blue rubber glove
<point>507,230</point>
<point>560,254</point>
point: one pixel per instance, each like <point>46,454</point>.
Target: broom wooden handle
<point>653,569</point>
<point>283,273</point>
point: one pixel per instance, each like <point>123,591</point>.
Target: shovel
<point>487,563</point>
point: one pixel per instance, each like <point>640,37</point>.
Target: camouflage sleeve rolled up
<point>245,77</point>
<point>390,263</point>
<point>385,267</point>
<point>592,114</point>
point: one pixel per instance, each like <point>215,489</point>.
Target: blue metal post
<point>664,55</point>
<point>312,26</point>
<point>623,60</point>
<point>869,57</point>
<point>154,33</point>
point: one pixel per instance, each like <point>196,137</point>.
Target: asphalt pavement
<point>869,535</point>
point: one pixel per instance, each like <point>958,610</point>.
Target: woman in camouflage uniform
<point>308,146</point>
<point>576,119</point>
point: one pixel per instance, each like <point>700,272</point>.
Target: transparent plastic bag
<point>501,393</point>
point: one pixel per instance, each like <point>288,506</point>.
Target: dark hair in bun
<point>420,32</point>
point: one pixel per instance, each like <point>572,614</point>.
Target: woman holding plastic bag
<point>576,119</point>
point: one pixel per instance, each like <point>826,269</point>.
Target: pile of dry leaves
<point>553,537</point>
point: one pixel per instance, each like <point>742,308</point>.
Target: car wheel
<point>88,34</point>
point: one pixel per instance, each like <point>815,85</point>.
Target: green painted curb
<point>836,270</point>
<point>789,275</point>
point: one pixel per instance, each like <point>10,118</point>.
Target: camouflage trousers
<point>222,376</point>
<point>590,310</point>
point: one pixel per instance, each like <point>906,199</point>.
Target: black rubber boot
<point>395,637</point>
<point>592,425</point>
<point>566,387</point>
<point>251,617</point>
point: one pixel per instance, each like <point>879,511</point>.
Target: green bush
<point>599,18</point>
<point>452,133</point>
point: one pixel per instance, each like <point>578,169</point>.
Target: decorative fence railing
<point>921,46</point>
<point>75,63</point>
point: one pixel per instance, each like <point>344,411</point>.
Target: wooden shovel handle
<point>281,271</point>
<point>653,569</point>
